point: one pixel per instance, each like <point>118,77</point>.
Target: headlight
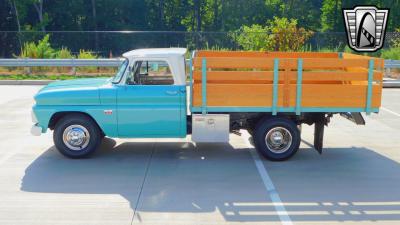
<point>33,117</point>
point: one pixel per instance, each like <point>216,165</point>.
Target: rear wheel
<point>76,136</point>
<point>277,139</point>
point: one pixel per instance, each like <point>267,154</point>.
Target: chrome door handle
<point>171,92</point>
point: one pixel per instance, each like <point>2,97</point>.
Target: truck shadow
<point>344,184</point>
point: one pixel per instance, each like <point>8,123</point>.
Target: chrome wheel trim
<point>76,137</point>
<point>278,140</point>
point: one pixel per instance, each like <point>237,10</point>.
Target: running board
<point>354,117</point>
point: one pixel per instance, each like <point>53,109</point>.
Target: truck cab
<point>151,94</point>
<point>146,98</point>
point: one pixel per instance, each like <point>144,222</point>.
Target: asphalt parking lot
<point>173,181</point>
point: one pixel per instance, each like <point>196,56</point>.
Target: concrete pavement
<point>173,181</point>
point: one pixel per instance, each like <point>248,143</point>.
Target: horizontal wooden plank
<point>324,64</point>
<point>235,62</point>
<point>235,76</point>
<point>289,64</point>
<point>378,62</point>
<point>266,54</point>
<point>335,76</point>
<point>260,95</point>
<point>315,95</point>
<point>267,76</point>
<point>237,95</point>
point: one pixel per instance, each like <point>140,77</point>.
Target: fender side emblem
<point>108,112</point>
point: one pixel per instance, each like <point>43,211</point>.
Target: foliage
<point>286,36</point>
<point>280,34</point>
<point>40,50</point>
<point>391,53</point>
<point>64,53</point>
<point>254,37</point>
<point>331,19</point>
<point>396,41</point>
<point>83,54</point>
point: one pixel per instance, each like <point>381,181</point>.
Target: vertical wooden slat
<point>299,85</point>
<point>286,94</point>
<point>275,87</point>
<point>369,88</point>
<point>204,86</point>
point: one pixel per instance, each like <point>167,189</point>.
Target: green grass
<point>47,77</point>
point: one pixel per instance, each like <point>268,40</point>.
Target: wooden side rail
<point>261,83</point>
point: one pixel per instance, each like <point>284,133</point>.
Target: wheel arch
<point>260,118</point>
<point>61,114</point>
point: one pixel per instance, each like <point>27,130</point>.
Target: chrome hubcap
<point>278,140</point>
<point>76,137</point>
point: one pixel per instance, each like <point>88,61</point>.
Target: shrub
<point>63,53</point>
<point>254,37</point>
<point>391,53</point>
<point>280,34</point>
<point>286,36</point>
<point>40,50</point>
<point>83,54</point>
<point>396,41</point>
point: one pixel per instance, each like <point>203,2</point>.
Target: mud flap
<point>319,127</point>
<point>320,120</point>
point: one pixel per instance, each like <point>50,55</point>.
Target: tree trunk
<point>39,9</point>
<point>161,13</point>
<point>197,14</point>
<point>222,15</point>
<point>96,34</point>
<point>216,14</point>
<point>335,19</point>
<point>14,5</point>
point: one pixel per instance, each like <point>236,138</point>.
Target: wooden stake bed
<point>233,81</point>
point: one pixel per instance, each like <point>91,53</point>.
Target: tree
<point>38,4</point>
<point>330,20</point>
<point>94,15</point>
<point>280,34</point>
<point>8,42</point>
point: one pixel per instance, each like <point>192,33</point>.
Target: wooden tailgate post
<point>369,89</point>
<point>275,87</point>
<point>191,82</point>
<point>204,86</point>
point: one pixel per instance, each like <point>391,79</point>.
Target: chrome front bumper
<point>36,130</point>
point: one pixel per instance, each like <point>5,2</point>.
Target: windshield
<point>121,70</point>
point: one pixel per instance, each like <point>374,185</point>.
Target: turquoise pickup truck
<point>228,91</point>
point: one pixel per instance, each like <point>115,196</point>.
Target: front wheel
<point>76,136</point>
<point>277,139</point>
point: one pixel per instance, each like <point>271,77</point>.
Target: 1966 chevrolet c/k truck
<point>268,93</point>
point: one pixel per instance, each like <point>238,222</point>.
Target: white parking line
<point>269,185</point>
<point>390,111</point>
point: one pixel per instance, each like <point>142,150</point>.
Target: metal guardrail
<point>390,64</point>
<point>114,62</point>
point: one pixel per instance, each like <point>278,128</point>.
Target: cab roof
<point>155,52</point>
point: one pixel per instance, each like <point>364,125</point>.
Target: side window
<point>153,73</point>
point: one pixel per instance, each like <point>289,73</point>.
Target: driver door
<point>149,104</point>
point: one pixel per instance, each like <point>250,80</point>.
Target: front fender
<point>106,121</point>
